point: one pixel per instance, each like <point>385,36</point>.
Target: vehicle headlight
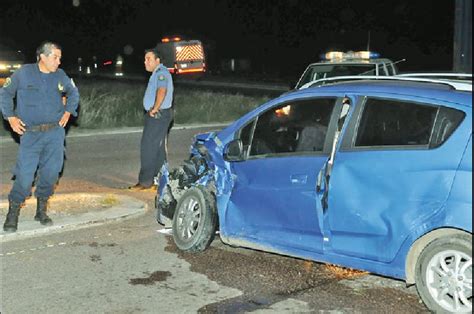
<point>3,67</point>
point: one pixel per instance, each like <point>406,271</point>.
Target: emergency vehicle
<point>338,63</point>
<point>10,60</point>
<point>182,56</point>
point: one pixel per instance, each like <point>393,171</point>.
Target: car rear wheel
<point>195,220</point>
<point>444,275</point>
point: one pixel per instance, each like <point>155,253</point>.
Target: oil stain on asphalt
<point>154,277</point>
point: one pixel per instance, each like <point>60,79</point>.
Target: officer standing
<point>157,103</point>
<point>39,118</point>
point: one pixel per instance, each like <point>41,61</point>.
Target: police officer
<point>157,103</point>
<point>39,118</point>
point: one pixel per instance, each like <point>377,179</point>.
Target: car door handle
<point>299,178</point>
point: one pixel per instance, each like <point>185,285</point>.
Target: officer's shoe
<point>11,222</point>
<point>42,206</point>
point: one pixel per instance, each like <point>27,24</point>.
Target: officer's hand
<point>152,112</point>
<point>64,119</point>
<point>17,125</point>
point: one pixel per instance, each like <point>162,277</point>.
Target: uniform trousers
<point>153,146</point>
<point>41,152</point>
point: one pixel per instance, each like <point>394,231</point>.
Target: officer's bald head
<point>46,48</point>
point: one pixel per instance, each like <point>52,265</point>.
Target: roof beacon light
<point>333,55</point>
<point>366,55</point>
<point>350,55</point>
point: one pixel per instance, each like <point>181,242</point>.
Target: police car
<point>337,63</point>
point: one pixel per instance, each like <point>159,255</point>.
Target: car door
<point>391,175</point>
<point>273,201</point>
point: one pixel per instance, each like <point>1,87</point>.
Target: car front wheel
<point>195,220</point>
<point>444,275</point>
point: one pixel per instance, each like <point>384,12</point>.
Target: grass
<point>119,104</point>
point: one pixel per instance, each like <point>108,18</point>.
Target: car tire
<point>195,220</point>
<point>443,275</point>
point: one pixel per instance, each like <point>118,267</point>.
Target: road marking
<point>47,246</point>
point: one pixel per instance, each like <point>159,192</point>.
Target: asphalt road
<point>129,267</point>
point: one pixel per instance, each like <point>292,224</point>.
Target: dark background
<point>278,37</point>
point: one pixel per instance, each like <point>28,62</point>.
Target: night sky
<point>278,37</point>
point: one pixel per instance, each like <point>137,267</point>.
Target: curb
<point>129,207</point>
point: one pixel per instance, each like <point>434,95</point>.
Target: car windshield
<point>321,71</point>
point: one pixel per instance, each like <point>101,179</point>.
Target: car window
<point>395,123</point>
<point>322,71</point>
<point>447,121</point>
<point>299,126</point>
<point>246,136</point>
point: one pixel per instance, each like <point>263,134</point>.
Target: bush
<point>110,104</point>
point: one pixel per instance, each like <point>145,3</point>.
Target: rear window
<point>397,123</point>
<point>394,123</point>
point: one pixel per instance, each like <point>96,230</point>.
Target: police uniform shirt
<point>39,95</point>
<point>161,77</point>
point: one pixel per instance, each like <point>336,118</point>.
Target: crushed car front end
<point>205,168</point>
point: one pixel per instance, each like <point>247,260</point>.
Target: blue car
<point>374,175</point>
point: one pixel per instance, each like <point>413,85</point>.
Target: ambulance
<point>182,56</point>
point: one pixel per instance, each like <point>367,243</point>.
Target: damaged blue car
<point>374,175</point>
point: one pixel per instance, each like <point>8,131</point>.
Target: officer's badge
<point>60,87</point>
<point>8,81</point>
<point>161,77</point>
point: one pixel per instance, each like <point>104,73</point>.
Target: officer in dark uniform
<point>39,118</point>
<point>157,104</point>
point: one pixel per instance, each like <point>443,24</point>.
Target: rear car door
<point>391,175</point>
<point>273,202</point>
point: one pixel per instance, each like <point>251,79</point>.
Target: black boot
<point>11,223</point>
<point>42,206</point>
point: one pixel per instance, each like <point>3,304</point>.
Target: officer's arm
<point>7,93</point>
<point>161,88</point>
<point>160,96</point>
<point>72,96</point>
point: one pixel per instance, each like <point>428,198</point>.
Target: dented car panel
<point>375,200</point>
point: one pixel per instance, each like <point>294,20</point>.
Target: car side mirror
<point>234,151</point>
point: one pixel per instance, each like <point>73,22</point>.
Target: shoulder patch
<point>7,83</point>
<point>161,77</point>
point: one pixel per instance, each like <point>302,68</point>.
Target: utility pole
<point>462,48</point>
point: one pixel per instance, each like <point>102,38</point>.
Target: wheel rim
<point>189,217</point>
<point>449,280</point>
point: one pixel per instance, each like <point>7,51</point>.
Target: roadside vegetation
<point>119,104</point>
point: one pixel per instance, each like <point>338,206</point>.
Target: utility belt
<point>42,127</point>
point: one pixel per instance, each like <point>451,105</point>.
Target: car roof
<point>432,90</point>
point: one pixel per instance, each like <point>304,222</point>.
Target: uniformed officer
<point>39,118</point>
<point>157,103</point>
